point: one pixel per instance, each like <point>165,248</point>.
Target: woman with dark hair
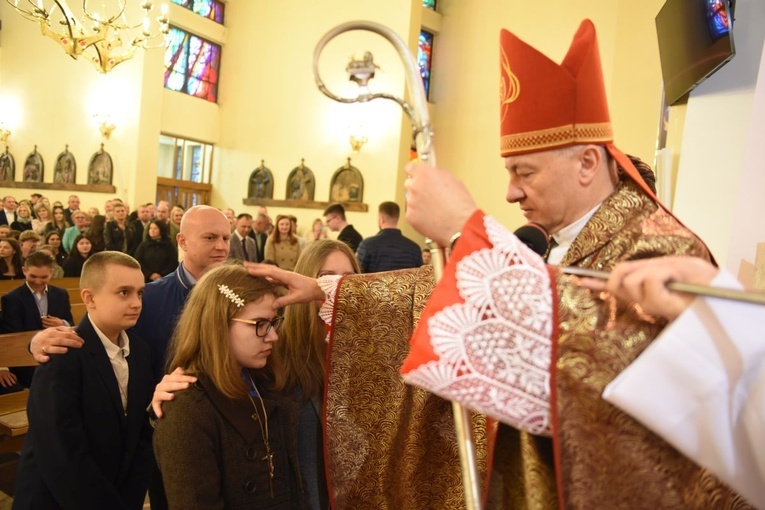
<point>58,222</point>
<point>157,254</point>
<point>53,239</point>
<point>282,245</point>
<point>81,250</point>
<point>10,260</point>
<point>95,233</point>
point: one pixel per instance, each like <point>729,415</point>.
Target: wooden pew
<point>14,352</point>
<point>70,284</point>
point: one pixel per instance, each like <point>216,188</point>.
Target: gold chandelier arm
<point>110,21</point>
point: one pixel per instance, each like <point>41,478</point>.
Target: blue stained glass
<point>192,65</point>
<point>212,9</point>
<point>430,4</point>
<point>424,59</point>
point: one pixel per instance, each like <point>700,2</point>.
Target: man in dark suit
<point>243,247</point>
<point>334,217</point>
<point>8,212</point>
<point>139,223</point>
<point>73,204</point>
<point>259,234</point>
<point>89,439</point>
<point>35,305</point>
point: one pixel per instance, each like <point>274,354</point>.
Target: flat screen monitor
<point>695,40</point>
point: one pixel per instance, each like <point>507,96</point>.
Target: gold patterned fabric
<point>601,456</point>
<point>388,445</point>
<point>598,338</point>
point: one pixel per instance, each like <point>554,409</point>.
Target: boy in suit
<point>35,305</point>
<point>89,439</point>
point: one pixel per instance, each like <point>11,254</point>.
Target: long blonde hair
<point>301,351</point>
<point>200,344</point>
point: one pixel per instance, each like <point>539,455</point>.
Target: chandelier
<point>103,35</point>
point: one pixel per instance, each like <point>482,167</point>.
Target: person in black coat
<point>21,311</point>
<point>157,255</point>
<point>74,261</point>
<point>23,218</point>
<point>89,439</point>
<point>119,234</point>
<point>53,239</point>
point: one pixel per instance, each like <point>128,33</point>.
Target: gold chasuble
<point>487,346</point>
<point>388,445</point>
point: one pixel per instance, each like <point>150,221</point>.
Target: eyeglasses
<point>263,326</point>
<point>330,218</point>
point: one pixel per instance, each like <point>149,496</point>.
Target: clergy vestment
<point>506,335</point>
<point>387,444</point>
<point>701,386</point>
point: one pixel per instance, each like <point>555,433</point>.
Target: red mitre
<point>547,106</point>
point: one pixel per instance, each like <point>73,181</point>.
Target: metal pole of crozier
<point>361,71</point>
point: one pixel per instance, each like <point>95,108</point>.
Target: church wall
<point>271,109</point>
<point>48,99</point>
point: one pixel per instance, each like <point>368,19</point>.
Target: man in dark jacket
<point>89,439</point>
<point>334,217</point>
<point>388,249</point>
<point>35,305</point>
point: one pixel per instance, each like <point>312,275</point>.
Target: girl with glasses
<point>228,441</point>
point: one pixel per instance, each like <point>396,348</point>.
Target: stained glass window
<point>192,65</point>
<point>430,4</point>
<point>212,9</point>
<point>424,57</point>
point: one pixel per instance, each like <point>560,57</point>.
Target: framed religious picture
<point>100,168</point>
<point>34,167</point>
<point>65,171</point>
<point>300,183</point>
<point>7,166</point>
<point>261,183</point>
<point>347,184</point>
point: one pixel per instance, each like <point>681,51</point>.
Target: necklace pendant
<point>255,416</point>
<point>269,457</point>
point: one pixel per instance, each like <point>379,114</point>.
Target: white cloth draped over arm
<point>701,387</point>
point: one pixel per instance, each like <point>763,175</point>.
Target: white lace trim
<point>494,349</point>
<point>328,284</point>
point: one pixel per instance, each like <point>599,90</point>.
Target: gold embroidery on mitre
<point>509,86</point>
<point>556,137</point>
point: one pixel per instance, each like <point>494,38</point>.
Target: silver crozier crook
<point>361,71</point>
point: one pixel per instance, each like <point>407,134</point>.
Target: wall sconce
<point>105,124</point>
<point>357,143</point>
